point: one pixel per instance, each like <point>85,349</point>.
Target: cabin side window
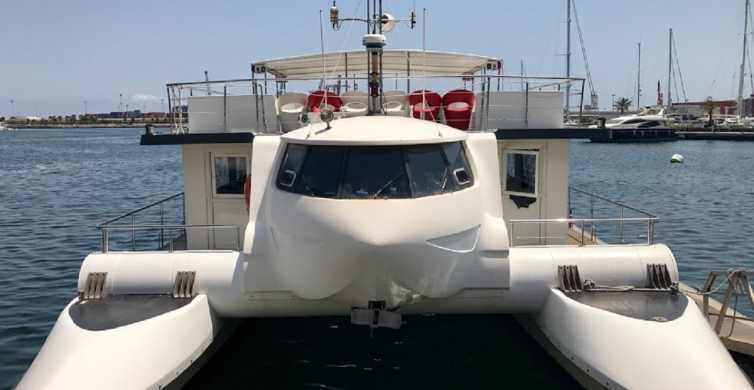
<point>230,174</point>
<point>521,172</point>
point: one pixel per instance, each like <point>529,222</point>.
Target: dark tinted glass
<point>230,174</point>
<point>522,170</point>
<point>430,173</point>
<point>373,172</point>
<point>289,169</point>
<point>459,165</point>
<point>320,173</point>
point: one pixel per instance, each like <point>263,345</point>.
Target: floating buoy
<point>676,158</point>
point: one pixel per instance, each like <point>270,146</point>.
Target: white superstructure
<point>296,206</point>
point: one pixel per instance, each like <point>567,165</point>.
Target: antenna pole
<point>669,98</point>
<point>206,80</point>
<point>322,51</point>
<point>568,59</point>
<point>638,82</point>
<point>739,103</point>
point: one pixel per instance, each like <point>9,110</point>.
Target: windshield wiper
<point>391,181</point>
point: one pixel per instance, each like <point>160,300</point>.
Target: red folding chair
<point>457,106</point>
<point>318,99</point>
<point>425,104</point>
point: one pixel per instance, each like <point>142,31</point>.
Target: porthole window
<point>521,172</point>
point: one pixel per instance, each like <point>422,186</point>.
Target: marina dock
<point>668,135</point>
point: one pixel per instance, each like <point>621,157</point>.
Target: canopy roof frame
<point>401,62</point>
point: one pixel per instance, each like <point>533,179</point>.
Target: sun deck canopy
<point>395,62</point>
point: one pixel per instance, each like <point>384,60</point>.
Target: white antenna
<point>424,55</point>
<point>322,49</point>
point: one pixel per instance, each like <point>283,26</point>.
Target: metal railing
<point>487,112</point>
<point>158,217</point>
<point>171,242</point>
<point>738,284</point>
<point>590,227</point>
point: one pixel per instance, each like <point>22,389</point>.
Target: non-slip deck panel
<point>643,305</point>
<point>120,310</point>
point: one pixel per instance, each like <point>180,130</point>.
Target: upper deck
<point>464,91</point>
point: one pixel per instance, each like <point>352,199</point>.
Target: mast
<point>670,68</point>
<point>568,59</point>
<point>740,101</point>
<point>638,81</point>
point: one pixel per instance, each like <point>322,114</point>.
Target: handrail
<point>107,228</point>
<point>582,224</point>
<point>738,284</point>
<point>133,212</point>
<point>613,202</point>
<point>391,77</point>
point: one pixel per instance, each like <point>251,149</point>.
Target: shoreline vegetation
<point>20,126</point>
<point>105,120</point>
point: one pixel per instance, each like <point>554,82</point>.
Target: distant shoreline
<point>85,125</point>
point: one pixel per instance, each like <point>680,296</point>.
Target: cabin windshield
<point>374,172</point>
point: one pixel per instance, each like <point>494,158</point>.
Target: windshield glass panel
<point>374,172</point>
<point>320,172</point>
<point>430,173</point>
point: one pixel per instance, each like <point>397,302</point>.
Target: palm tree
<point>622,104</point>
<point>709,108</point>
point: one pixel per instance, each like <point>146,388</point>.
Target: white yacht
<point>366,193</point>
<point>647,118</point>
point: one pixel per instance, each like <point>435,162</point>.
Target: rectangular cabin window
<point>230,175</point>
<point>521,172</point>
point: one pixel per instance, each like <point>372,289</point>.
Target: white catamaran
<point>373,196</point>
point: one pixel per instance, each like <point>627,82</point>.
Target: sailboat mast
<point>638,81</point>
<point>740,101</point>
<point>670,68</point>
<point>568,58</point>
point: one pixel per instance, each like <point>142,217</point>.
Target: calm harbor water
<point>57,185</point>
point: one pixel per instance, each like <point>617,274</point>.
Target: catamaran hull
<point>110,345</point>
<point>634,340</point>
<point>618,339</point>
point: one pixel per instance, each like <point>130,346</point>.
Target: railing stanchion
<point>162,223</point>
<point>513,230</point>
<point>582,233</point>
<point>105,240</point>
<point>526,107</point>
<point>133,232</point>
<point>622,241</point>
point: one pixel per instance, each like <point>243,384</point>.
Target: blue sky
<point>56,54</point>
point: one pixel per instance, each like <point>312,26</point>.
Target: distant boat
<point>647,118</point>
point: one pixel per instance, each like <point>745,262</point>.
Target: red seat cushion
<point>317,98</point>
<point>433,102</point>
<point>458,115</point>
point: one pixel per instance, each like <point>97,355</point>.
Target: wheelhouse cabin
<point>217,124</point>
